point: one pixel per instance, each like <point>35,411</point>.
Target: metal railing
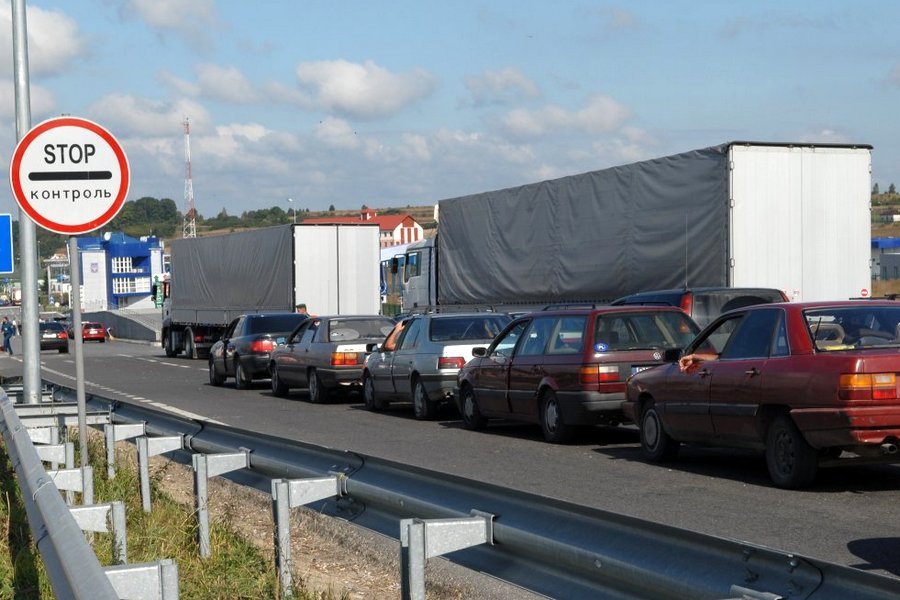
<point>549,546</point>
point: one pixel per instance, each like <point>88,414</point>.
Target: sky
<point>308,105</point>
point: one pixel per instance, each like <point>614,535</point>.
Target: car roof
<point>600,310</point>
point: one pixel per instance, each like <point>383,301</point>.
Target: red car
<point>806,383</point>
<point>93,332</point>
<point>563,369</point>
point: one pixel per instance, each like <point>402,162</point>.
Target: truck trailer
<point>794,217</point>
<point>333,269</point>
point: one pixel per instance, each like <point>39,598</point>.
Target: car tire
<point>471,415</point>
<point>656,444</point>
<point>215,378</point>
<point>372,401</point>
<point>242,380</point>
<point>190,349</point>
<point>102,340</point>
<point>317,392</point>
<point>169,346</point>
<point>554,430</point>
<point>792,462</point>
<point>424,408</point>
<point>63,350</point>
<point>279,388</point>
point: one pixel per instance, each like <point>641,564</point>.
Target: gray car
<point>419,360</point>
<point>325,354</point>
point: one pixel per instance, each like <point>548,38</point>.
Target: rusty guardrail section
<point>552,547</point>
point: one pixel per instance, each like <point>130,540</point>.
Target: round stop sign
<point>69,175</point>
<point>864,293</point>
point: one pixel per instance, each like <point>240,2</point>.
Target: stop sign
<point>69,175</point>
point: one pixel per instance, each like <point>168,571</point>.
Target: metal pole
<point>31,373</point>
<point>75,296</point>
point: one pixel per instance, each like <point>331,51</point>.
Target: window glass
<point>716,339</point>
<point>536,337</point>
<point>568,337</point>
<point>410,337</point>
<point>390,344</point>
<point>862,326</point>
<point>780,344</point>
<point>753,339</point>
<point>507,344</point>
<point>310,332</point>
<point>340,330</point>
<point>412,269</point>
<point>482,327</point>
<point>298,333</point>
<point>274,323</point>
<point>644,330</point>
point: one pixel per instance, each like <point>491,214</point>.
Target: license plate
<point>639,369</point>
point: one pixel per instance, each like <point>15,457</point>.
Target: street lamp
<point>293,212</point>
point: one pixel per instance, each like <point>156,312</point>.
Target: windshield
<point>644,330</point>
<point>854,327</point>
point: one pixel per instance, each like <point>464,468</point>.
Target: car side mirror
<point>479,351</point>
<point>673,354</point>
<point>373,347</point>
<point>280,340</point>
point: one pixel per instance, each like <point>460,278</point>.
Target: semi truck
<point>332,269</point>
<point>789,216</point>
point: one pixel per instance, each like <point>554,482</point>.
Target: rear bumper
<point>590,408</point>
<point>441,386</point>
<point>349,377</point>
<point>849,426</point>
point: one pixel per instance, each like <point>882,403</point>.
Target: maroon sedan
<point>806,383</point>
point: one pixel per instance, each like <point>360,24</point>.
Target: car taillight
<point>599,374</point>
<point>262,346</point>
<point>451,362</point>
<point>63,335</point>
<point>344,359</point>
<point>868,386</point>
<point>687,302</point>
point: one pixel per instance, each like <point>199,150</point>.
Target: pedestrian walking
<point>8,330</point>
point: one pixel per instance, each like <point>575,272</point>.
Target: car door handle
<point>704,373</point>
<point>752,372</point>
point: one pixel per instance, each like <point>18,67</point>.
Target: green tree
<point>892,189</point>
<point>875,190</point>
<point>331,208</point>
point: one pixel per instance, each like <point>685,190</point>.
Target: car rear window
<point>446,329</point>
<point>354,329</point>
<point>854,327</point>
<point>643,330</point>
<point>51,327</point>
<point>275,323</point>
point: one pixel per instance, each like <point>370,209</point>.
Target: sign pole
<point>77,333</point>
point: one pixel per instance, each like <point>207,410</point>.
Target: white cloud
<point>501,86</point>
<point>43,103</point>
<point>337,133</point>
<point>225,83</point>
<point>181,86</point>
<point>130,115</point>
<point>362,91</point>
<point>825,136</point>
<point>54,41</point>
<point>176,15</point>
<point>601,114</point>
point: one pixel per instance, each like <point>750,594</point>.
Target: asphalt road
<point>850,517</point>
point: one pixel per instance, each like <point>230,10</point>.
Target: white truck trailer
<point>333,269</point>
<point>794,217</point>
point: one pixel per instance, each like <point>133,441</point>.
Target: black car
<point>54,336</point>
<point>245,348</point>
<point>703,304</point>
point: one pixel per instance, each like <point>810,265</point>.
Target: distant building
<point>394,229</point>
<point>117,271</point>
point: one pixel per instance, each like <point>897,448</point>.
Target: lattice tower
<point>189,225</point>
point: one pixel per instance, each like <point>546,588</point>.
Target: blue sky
<point>406,103</point>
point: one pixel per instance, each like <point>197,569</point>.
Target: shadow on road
<point>878,553</point>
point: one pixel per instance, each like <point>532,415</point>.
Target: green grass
<point>236,569</point>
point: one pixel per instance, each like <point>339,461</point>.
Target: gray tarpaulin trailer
<point>333,269</point>
<point>794,217</point>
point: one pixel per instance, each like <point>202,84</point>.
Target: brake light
<point>262,346</point>
<point>868,386</point>
<point>451,362</point>
<point>599,374</point>
<point>344,359</point>
<point>687,302</point>
<point>63,335</point>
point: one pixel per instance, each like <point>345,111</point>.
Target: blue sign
<point>6,246</point>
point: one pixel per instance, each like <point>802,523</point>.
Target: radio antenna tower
<point>189,225</point>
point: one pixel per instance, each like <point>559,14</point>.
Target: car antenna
<point>685,250</point>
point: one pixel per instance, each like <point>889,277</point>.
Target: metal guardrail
<point>549,546</point>
<point>72,567</point>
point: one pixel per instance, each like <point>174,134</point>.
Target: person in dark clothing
<point>8,330</point>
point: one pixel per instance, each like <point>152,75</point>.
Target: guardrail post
<point>206,466</point>
<point>152,446</point>
<point>105,518</point>
<point>423,539</point>
<point>57,454</point>
<point>77,480</point>
<point>43,435</point>
<point>288,494</point>
<point>146,581</point>
<point>116,432</point>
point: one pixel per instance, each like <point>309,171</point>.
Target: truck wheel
<point>214,377</point>
<point>373,402</point>
<point>423,408</point>
<point>655,442</point>
<point>242,380</point>
<point>791,461</point>
<point>190,350</point>
<point>278,386</point>
<point>554,430</point>
<point>169,344</point>
<point>471,414</point>
<point>317,392</point>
